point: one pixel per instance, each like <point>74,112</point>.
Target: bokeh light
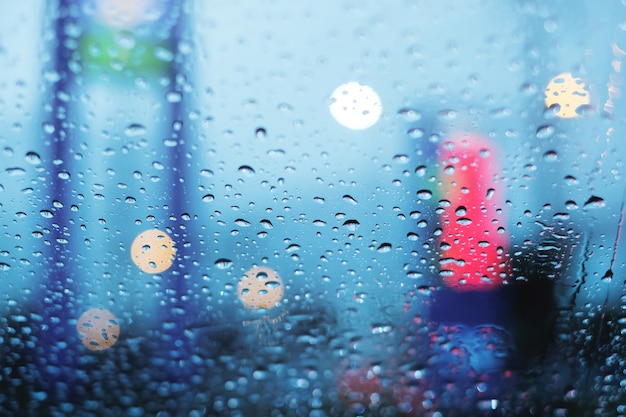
<point>153,251</point>
<point>260,287</point>
<point>99,329</point>
<point>567,92</point>
<point>355,106</point>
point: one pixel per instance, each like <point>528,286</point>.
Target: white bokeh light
<point>355,106</point>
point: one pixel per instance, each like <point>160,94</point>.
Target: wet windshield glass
<point>330,208</point>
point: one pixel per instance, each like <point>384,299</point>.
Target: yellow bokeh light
<point>153,251</point>
<point>99,329</point>
<point>260,287</point>
<point>355,106</point>
<point>569,93</point>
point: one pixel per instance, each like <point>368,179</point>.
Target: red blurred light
<point>474,241</point>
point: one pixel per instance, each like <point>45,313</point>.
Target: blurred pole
<point>117,144</point>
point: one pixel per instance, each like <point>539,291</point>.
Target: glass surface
<point>329,208</point>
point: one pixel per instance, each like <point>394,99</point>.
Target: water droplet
<point>33,158</point>
<point>545,131</point>
<point>594,202</point>
<point>464,221</point>
<point>447,115</point>
<point>266,224</point>
<point>64,175</point>
<point>170,142</point>
<point>223,263</point>
<point>48,127</point>
<point>15,171</point>
<point>242,223</point>
<point>261,133</point>
<point>384,247</point>
<point>46,213</point>
<point>415,133</point>
<point>208,198</point>
<point>401,159</point>
<point>409,115</point>
<point>174,97</point>
<point>135,129</point>
<point>348,198</point>
<point>246,170</point>
<point>550,156</point>
<point>292,248</point>
<point>351,225</point>
<point>163,54</point>
<point>420,171</point>
<point>571,180</point>
<point>319,223</point>
<point>424,194</point>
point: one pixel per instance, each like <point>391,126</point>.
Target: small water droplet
<point>409,115</point>
<point>570,180</point>
<point>550,156</point>
<point>415,133</point>
<point>246,170</point>
<point>384,247</point>
<point>351,225</point>
<point>163,54</point>
<point>33,158</point>
<point>223,263</point>
<point>545,131</point>
<point>261,133</point>
<point>46,213</point>
<point>208,198</point>
<point>15,171</point>
<point>401,159</point>
<point>174,97</point>
<point>594,202</point>
<point>135,129</point>
<point>48,127</point>
<point>412,236</point>
<point>424,194</point>
<point>170,142</point>
<point>242,223</point>
<point>348,198</point>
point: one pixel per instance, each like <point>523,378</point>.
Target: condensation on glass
<point>312,209</point>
